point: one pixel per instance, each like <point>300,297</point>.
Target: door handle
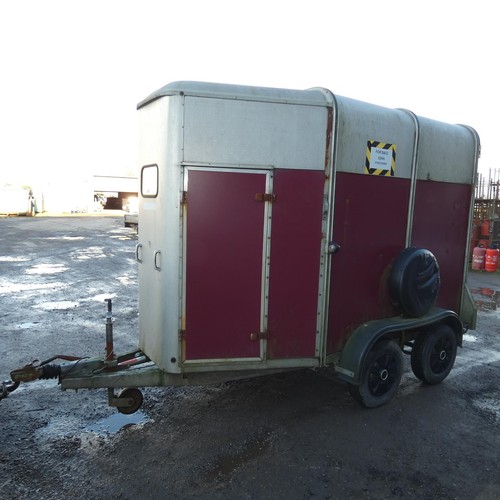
<point>333,247</point>
<point>137,249</point>
<point>157,260</point>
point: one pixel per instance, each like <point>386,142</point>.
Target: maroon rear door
<point>295,264</point>
<point>224,252</point>
<point>440,224</point>
<point>369,224</point>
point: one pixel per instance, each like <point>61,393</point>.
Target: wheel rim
<point>383,374</point>
<point>441,355</point>
<point>135,395</point>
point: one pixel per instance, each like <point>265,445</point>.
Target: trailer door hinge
<point>182,335</point>
<point>270,197</point>
<point>184,198</point>
<point>259,336</point>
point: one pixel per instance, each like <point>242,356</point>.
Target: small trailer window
<point>149,181</point>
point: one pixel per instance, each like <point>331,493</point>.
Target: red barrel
<point>491,260</point>
<point>485,229</point>
<point>478,258</point>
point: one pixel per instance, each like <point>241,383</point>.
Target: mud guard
<point>350,364</point>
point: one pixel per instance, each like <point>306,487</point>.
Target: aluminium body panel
<point>361,126</point>
<point>237,132</point>
<point>343,171</point>
<point>423,199</point>
<point>444,203</point>
<point>159,250</point>
<point>374,164</point>
<point>447,152</point>
<point>196,141</point>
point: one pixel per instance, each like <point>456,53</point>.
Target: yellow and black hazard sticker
<point>380,158</point>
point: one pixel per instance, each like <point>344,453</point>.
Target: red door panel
<point>295,263</point>
<point>369,224</point>
<point>224,251</point>
<point>436,202</point>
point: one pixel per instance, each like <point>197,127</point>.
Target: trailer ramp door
<point>225,233</point>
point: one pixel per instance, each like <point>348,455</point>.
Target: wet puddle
<point>27,287</point>
<point>13,259</point>
<point>126,280</point>
<point>66,238</point>
<point>117,422</point>
<point>89,253</point>
<point>60,306</point>
<point>47,269</point>
<point>26,326</point>
<point>122,238</point>
<point>101,297</point>
<point>67,425</point>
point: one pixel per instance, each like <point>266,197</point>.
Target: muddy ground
<point>294,436</point>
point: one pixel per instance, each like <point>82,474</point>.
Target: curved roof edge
<point>313,97</point>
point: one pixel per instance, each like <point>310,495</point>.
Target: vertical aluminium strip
<point>182,265</point>
<point>413,179</point>
<point>266,263</point>
<point>466,301</point>
<point>327,230</point>
<point>182,239</point>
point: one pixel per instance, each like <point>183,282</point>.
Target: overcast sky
<point>72,72</point>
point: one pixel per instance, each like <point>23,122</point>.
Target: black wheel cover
<point>414,281</point>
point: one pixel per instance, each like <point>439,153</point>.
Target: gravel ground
<point>295,435</point>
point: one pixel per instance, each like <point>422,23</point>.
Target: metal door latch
<point>258,336</point>
<point>333,247</point>
<point>265,197</point>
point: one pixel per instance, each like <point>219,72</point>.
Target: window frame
<point>149,195</point>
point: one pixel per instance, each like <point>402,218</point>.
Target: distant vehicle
<point>131,220</point>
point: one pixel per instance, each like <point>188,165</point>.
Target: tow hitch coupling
<point>7,387</point>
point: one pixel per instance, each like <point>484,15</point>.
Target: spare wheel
<point>414,281</point>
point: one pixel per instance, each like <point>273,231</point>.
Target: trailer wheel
<point>382,371</point>
<point>433,354</point>
<point>136,398</point>
<point>414,281</point>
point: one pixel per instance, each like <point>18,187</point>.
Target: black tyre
<point>414,281</point>
<point>382,371</point>
<point>136,399</point>
<point>433,354</point>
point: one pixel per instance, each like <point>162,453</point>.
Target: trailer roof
<point>313,97</point>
